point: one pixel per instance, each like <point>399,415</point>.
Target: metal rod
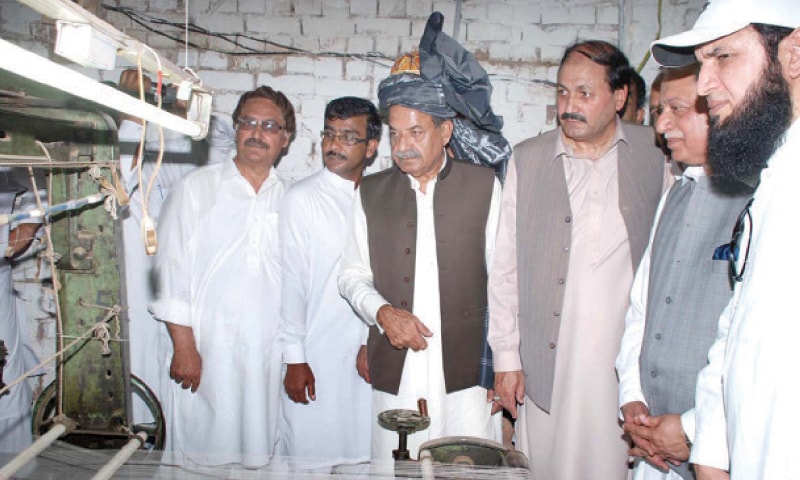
<point>110,468</point>
<point>37,213</point>
<point>426,460</point>
<point>30,453</point>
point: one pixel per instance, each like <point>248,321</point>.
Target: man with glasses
<point>679,290</point>
<point>219,278</point>
<point>746,398</point>
<point>326,406</point>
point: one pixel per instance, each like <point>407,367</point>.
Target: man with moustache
<point>746,399</point>
<point>321,334</point>
<point>678,292</point>
<point>577,208</point>
<point>415,269</point>
<point>219,277</point>
<point>653,105</point>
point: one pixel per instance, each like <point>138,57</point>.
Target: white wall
<point>518,42</point>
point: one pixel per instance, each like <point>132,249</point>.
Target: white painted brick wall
<point>392,8</point>
<point>227,81</point>
<point>518,40</point>
<point>521,40</point>
<point>360,44</point>
<point>252,6</point>
<point>272,25</point>
<point>367,8</point>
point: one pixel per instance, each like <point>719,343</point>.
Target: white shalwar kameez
<point>179,160</point>
<point>218,270</point>
<point>320,328</point>
<point>465,412</point>
<point>746,401</point>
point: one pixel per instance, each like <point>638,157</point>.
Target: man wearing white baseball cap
<point>747,397</point>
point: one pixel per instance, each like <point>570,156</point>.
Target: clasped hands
<point>658,439</point>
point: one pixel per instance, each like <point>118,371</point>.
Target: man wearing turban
<point>422,235</point>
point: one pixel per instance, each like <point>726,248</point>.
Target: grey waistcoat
<point>687,292</point>
<point>544,232</point>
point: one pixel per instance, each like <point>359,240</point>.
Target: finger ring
<point>496,398</point>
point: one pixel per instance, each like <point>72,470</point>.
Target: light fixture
<point>33,67</point>
<point>84,45</point>
<point>126,46</point>
<point>89,42</point>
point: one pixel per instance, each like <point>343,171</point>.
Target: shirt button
<point>566,249</point>
<point>406,279</point>
<point>408,251</point>
<point>653,374</point>
<point>556,314</point>
<point>658,336</point>
<point>669,300</point>
<point>568,219</point>
<point>410,224</point>
<point>552,345</point>
<point>561,281</point>
<point>403,303</point>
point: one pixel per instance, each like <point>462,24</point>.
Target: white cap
<point>720,18</point>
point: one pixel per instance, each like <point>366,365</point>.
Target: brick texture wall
<point>519,42</point>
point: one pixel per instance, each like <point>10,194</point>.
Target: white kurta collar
<point>415,183</point>
<point>693,173</point>
<point>230,170</point>
<point>338,182</point>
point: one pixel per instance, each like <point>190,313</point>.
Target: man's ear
<point>620,96</point>
<point>791,66</point>
<point>446,130</point>
<point>640,116</point>
<point>372,148</point>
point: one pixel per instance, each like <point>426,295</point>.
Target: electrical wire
<point>50,255</point>
<point>147,225</point>
<point>147,21</point>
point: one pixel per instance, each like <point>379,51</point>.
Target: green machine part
<point>95,392</point>
<point>94,383</point>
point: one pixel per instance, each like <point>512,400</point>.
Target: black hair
<point>771,36</point>
<point>618,69</point>
<point>276,97</point>
<point>637,87</point>
<point>346,107</point>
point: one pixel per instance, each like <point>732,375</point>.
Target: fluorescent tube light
<point>33,67</point>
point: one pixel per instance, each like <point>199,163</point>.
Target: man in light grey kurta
<point>679,291</point>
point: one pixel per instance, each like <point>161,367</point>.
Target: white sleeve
<point>503,334</point>
<point>295,243</point>
<point>355,280</point>
<point>630,387</point>
<point>492,222</point>
<point>688,424</point>
<point>173,263</point>
<point>710,446</point>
